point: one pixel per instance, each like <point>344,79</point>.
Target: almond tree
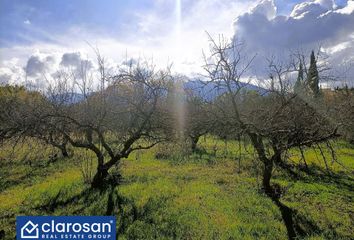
<point>274,122</point>
<point>121,116</point>
<point>197,120</point>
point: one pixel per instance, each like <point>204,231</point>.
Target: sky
<point>38,37</point>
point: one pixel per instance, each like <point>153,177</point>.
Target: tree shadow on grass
<point>123,208</point>
<point>297,225</point>
<point>314,173</point>
<point>55,202</point>
<point>140,222</point>
<point>294,226</point>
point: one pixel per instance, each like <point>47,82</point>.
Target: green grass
<point>202,196</point>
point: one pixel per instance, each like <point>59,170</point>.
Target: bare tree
<point>275,122</point>
<point>19,108</point>
<point>111,115</point>
<point>117,120</point>
<point>341,103</point>
<point>198,122</point>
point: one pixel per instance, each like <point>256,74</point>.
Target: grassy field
<point>210,195</point>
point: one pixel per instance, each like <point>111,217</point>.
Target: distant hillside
<point>67,98</point>
<point>207,91</point>
<point>210,91</point>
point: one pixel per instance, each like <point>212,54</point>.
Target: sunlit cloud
<point>148,30</point>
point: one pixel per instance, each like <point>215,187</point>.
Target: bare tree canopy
<point>274,122</point>
<point>124,115</point>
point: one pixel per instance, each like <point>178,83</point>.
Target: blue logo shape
<point>65,227</point>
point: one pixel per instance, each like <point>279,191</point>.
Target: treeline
<point>139,107</point>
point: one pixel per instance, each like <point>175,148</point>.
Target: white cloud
<point>5,76</point>
<point>265,8</point>
<point>11,72</point>
<point>152,34</point>
<point>310,24</point>
<point>348,9</point>
<point>37,65</point>
<point>75,60</point>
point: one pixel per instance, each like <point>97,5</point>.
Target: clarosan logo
<point>68,227</point>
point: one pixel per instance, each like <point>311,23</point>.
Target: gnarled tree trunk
<point>100,177</point>
<point>268,163</point>
<point>194,142</point>
<point>63,150</point>
<point>267,175</point>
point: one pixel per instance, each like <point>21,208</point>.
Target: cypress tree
<point>299,84</point>
<point>312,77</point>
